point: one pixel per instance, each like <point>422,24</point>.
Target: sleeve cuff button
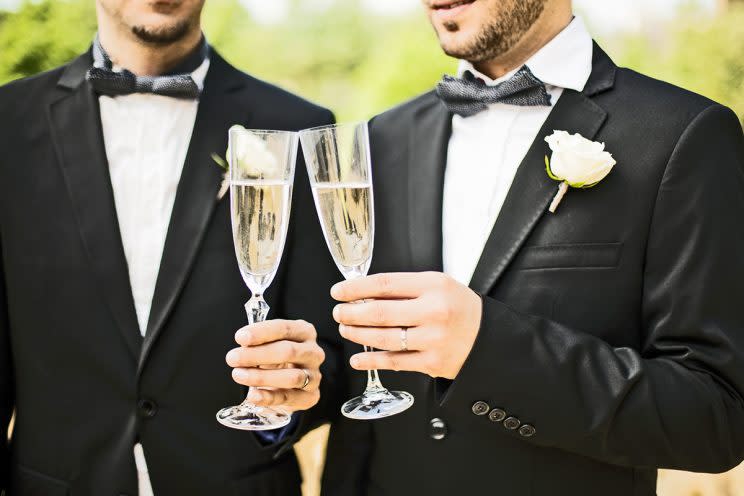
<point>527,431</point>
<point>497,415</point>
<point>512,423</point>
<point>480,408</point>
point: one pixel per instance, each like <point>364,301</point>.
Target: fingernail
<point>336,289</point>
<point>342,330</point>
<point>336,312</point>
<point>231,357</point>
<point>239,375</point>
<point>354,361</point>
<point>243,336</point>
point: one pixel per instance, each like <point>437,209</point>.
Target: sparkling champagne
<point>344,211</point>
<point>260,214</point>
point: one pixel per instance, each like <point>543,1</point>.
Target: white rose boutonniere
<point>576,162</point>
<point>252,155</point>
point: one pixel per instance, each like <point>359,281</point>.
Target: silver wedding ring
<point>307,379</point>
<point>403,339</point>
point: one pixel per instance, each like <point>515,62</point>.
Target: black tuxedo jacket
<point>614,328</point>
<point>84,384</point>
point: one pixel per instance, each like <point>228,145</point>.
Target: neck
<point>126,50</point>
<point>547,27</point>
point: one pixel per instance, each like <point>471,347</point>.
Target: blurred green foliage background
<point>359,64</point>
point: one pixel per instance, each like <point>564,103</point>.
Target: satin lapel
<point>196,197</point>
<point>432,126</point>
<point>78,139</point>
<point>532,189</point>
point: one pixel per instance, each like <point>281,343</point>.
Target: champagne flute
<point>338,163</point>
<point>262,165</point>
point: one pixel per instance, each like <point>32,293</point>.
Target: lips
<point>449,10</point>
<point>450,4</point>
<point>165,4</point>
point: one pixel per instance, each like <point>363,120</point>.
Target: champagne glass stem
<point>257,310</point>
<point>374,385</point>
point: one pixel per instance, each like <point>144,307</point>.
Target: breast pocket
<point>569,256</point>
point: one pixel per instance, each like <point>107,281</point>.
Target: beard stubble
<point>501,33</point>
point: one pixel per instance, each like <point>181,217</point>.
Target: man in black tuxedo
<point>116,314</point>
<point>568,353</point>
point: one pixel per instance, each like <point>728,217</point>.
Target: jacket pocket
<point>29,482</point>
<point>569,256</point>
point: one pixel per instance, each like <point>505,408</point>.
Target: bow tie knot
<point>106,81</point>
<point>468,95</point>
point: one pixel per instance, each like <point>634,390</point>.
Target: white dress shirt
<point>146,138</point>
<point>486,149</point>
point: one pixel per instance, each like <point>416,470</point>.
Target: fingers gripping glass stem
<point>376,401</point>
<point>248,416</point>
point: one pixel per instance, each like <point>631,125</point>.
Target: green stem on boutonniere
<point>220,161</point>
<point>225,176</point>
<point>562,190</point>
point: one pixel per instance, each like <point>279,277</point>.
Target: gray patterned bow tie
<point>468,95</point>
<point>106,81</point>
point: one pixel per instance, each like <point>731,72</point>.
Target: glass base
<point>377,404</point>
<point>249,417</point>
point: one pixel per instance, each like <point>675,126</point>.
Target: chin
<point>162,33</point>
<point>157,21</point>
<point>458,44</point>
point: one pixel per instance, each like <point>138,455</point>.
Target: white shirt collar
<point>200,74</point>
<point>564,62</point>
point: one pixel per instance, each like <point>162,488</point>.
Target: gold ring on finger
<point>307,379</point>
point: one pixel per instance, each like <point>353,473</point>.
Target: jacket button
<point>147,408</point>
<point>480,408</point>
<point>437,429</point>
<point>527,430</point>
<point>497,415</point>
<point>512,423</point>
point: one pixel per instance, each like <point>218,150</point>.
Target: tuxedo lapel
<point>78,139</point>
<point>428,156</point>
<point>532,189</point>
<point>196,197</point>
